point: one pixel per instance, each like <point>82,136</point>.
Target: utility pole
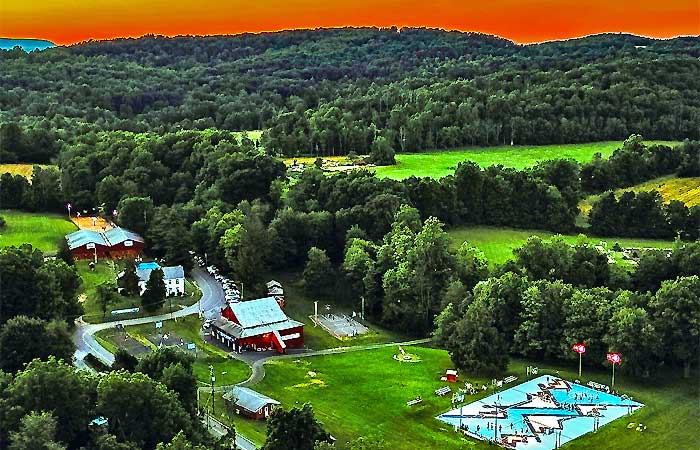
<point>213,379</point>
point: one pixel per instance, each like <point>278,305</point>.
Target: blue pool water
<point>148,265</point>
<point>540,414</point>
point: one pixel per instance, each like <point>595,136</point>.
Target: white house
<point>173,277</point>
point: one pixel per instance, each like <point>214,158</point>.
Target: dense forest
<point>146,133</point>
<point>335,91</point>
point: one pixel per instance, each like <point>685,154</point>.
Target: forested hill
<point>334,91</point>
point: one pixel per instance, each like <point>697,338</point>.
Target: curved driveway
<point>84,336</point>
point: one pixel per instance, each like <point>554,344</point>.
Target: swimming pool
<point>540,414</point>
<point>148,265</point>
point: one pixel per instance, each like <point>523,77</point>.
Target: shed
<point>451,375</point>
<point>250,403</point>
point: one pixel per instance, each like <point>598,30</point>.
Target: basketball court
<point>341,326</point>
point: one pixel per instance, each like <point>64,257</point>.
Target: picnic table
<point>415,401</point>
<point>442,391</point>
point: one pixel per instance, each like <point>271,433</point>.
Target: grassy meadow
<point>498,243</point>
<point>44,231</point>
<point>437,164</point>
<point>686,190</point>
<point>364,393</point>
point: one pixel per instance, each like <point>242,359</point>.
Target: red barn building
<point>115,243</point>
<point>86,244</point>
<point>124,243</point>
<point>257,325</point>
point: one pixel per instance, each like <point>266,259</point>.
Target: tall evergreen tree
<point>154,295</point>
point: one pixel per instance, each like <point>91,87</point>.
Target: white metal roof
<point>169,273</point>
<point>82,237</point>
<point>262,311</point>
<point>118,235</point>
<point>256,317</point>
<point>248,398</point>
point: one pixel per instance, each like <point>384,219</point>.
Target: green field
<point>686,190</point>
<point>437,164</point>
<point>44,231</point>
<point>498,243</point>
<point>253,135</point>
<point>106,272</point>
<point>364,393</point>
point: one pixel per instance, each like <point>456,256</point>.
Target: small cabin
<point>451,376</point>
<point>250,403</point>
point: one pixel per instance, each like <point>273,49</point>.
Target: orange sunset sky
<point>69,21</point>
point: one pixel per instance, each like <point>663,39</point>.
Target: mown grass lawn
<point>437,164</point>
<point>498,243</point>
<point>106,272</point>
<point>44,231</point>
<point>686,190</point>
<point>364,393</point>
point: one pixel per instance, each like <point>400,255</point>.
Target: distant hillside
<point>26,44</point>
<point>333,91</point>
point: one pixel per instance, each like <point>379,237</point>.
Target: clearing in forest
<point>43,230</point>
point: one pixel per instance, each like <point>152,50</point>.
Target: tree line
<point>541,320</point>
<point>335,91</point>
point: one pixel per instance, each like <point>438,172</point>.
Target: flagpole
<point>613,377</point>
<point>579,364</point>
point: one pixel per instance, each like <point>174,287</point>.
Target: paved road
<point>218,429</point>
<point>84,336</point>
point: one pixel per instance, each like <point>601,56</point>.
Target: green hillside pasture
<point>364,393</point>
<point>437,164</point>
<point>44,231</point>
<point>498,243</point>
